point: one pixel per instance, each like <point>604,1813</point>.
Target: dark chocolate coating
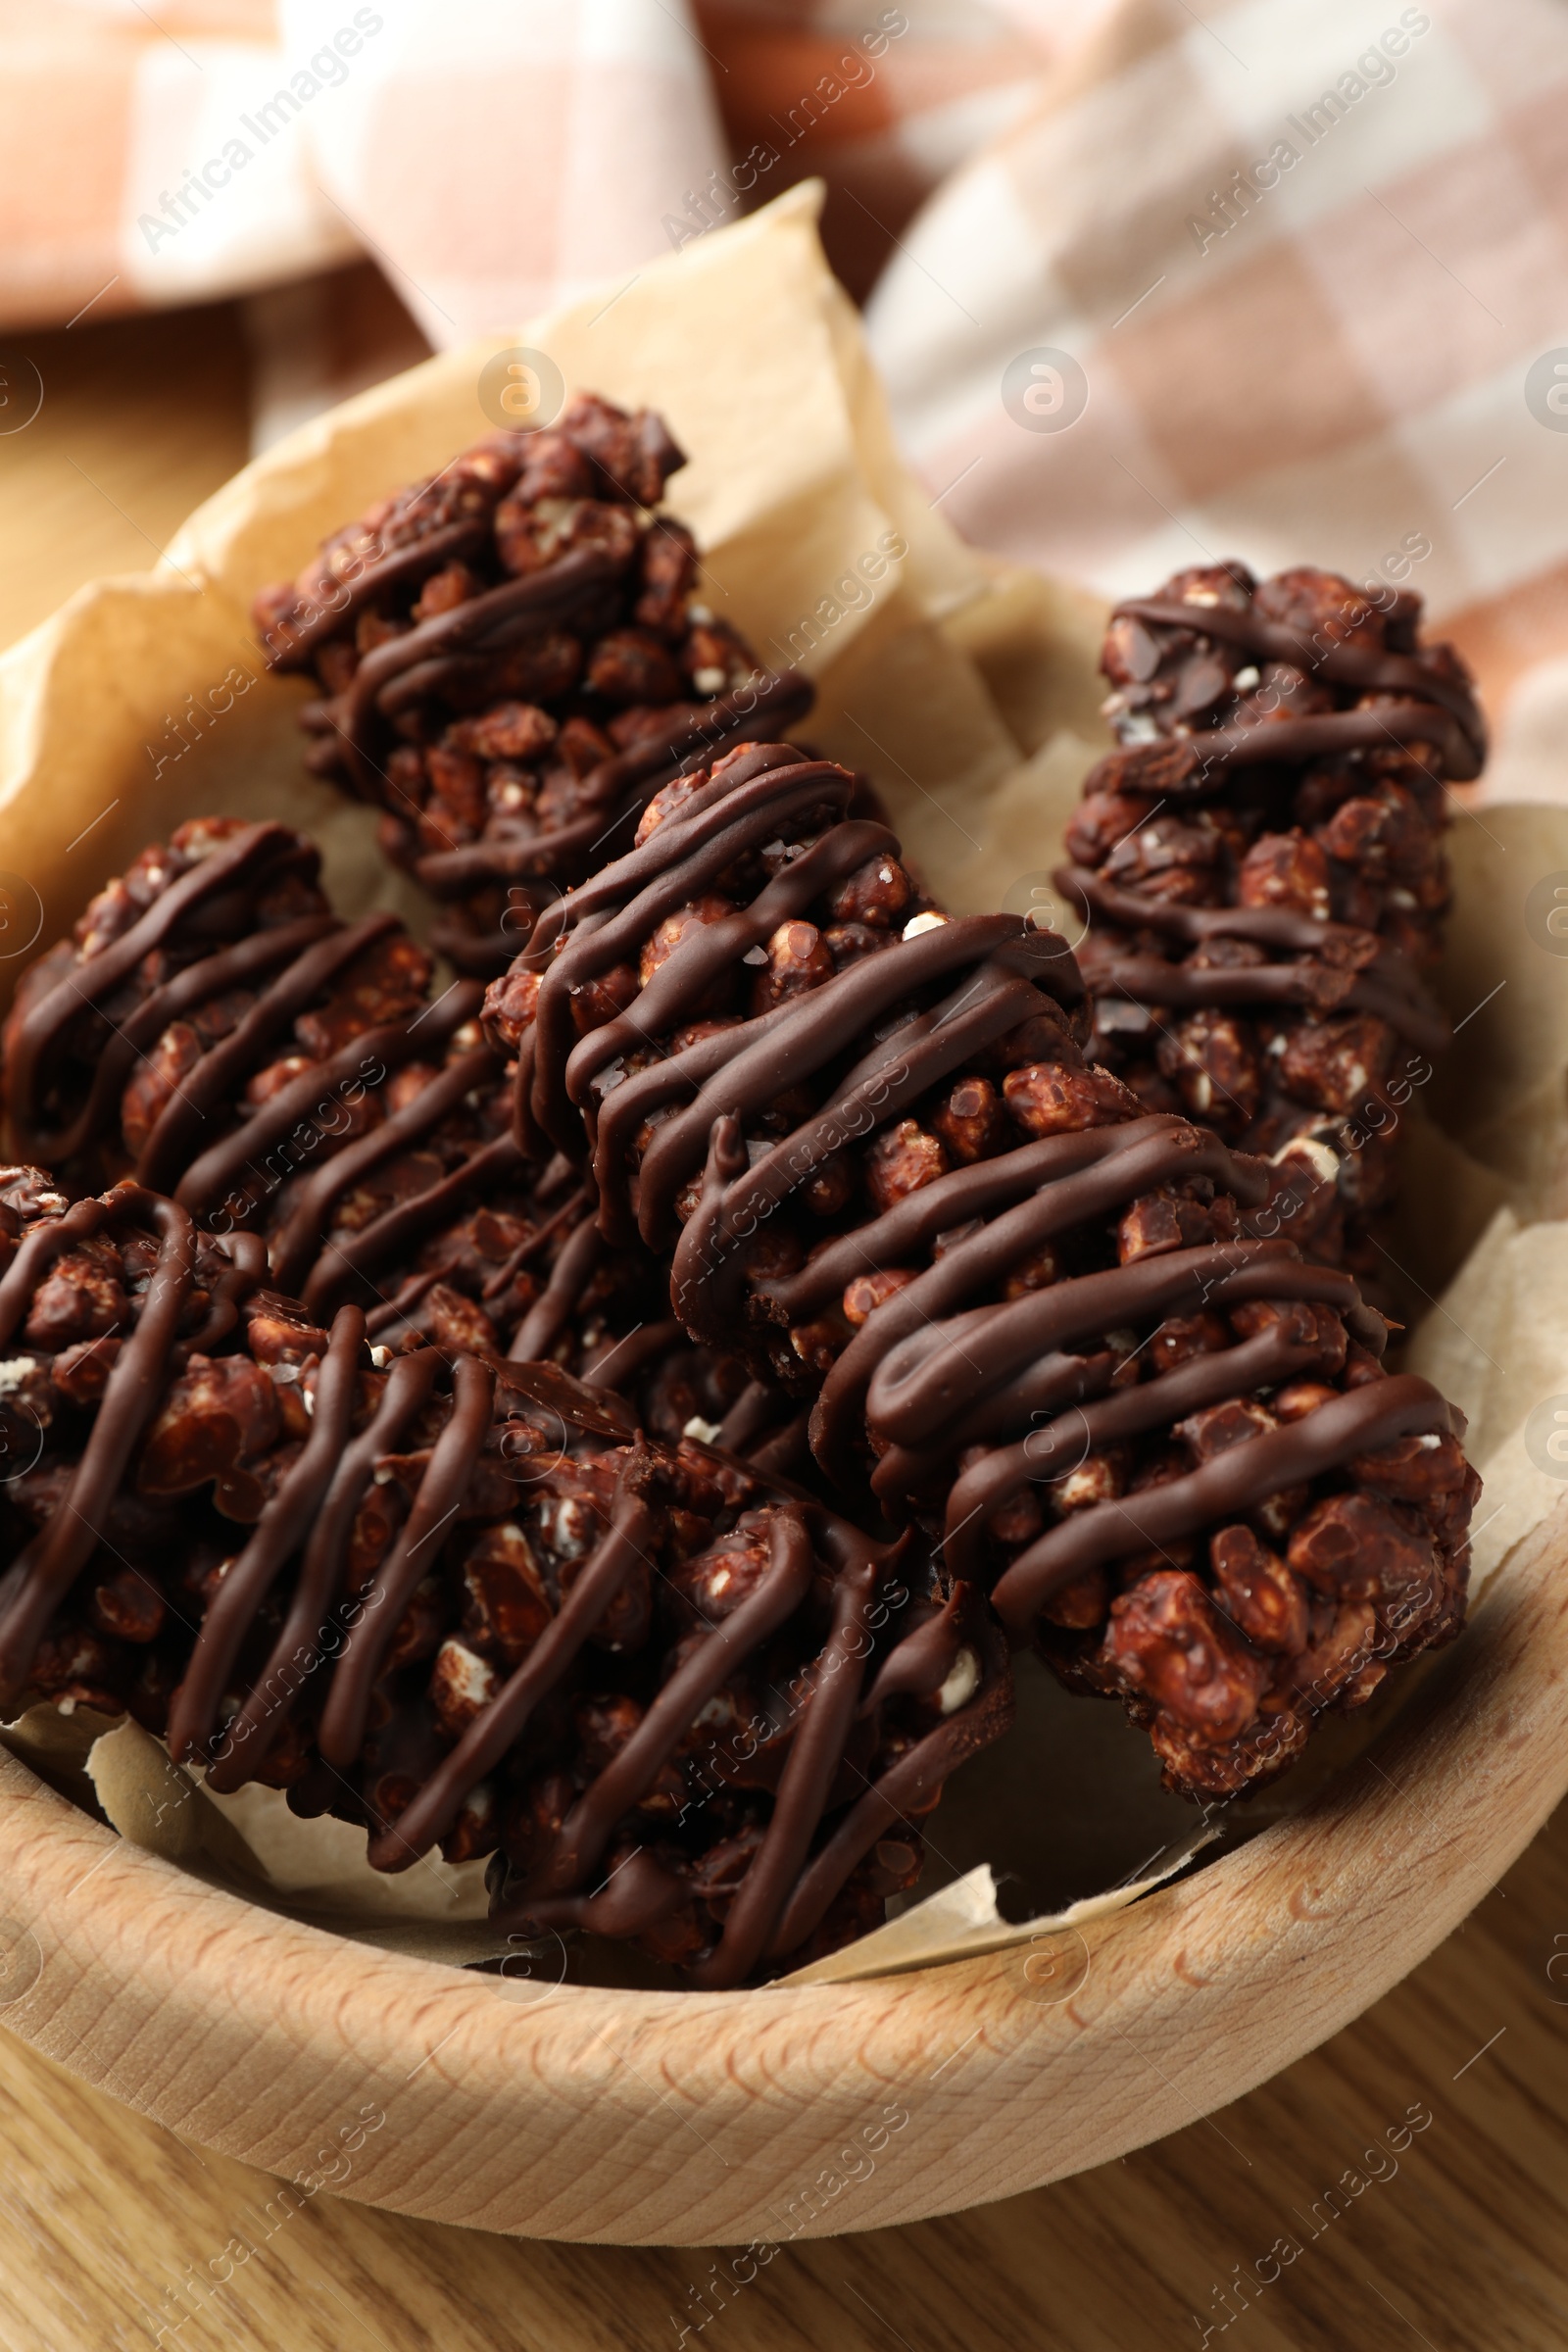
<point>229,877</point>
<point>412,674</point>
<point>1382,981</point>
<point>431,1158</point>
<point>38,1578</point>
<point>787,1889</point>
<point>962,1397</point>
<point>200,1147</point>
<point>1429,706</point>
<point>298,1547</point>
<point>1286,752</point>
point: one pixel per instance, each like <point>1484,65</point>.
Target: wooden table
<point>106,2220</point>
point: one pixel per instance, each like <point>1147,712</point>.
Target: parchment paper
<point>968,691</point>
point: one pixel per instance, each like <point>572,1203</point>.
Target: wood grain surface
<point>114,2233</point>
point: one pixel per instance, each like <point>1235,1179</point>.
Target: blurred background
<point>1147,281</point>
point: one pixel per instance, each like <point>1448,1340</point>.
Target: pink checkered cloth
<point>1149,281</point>
<point>1292,276</point>
<point>495,157</point>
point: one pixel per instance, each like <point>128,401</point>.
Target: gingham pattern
<point>1340,377</point>
<point>496,157</point>
<point>1329,363</point>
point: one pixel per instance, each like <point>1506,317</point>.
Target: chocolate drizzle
<point>1424,705</point>
<point>317,1505</point>
<point>1084,1346</point>
<point>1360,1422</point>
<point>786,1889</point>
<point>1259,865</point>
<point>325,1669</point>
<point>994,968</point>
<point>365,1190</point>
<point>39,1577</point>
<point>529,585</point>
<point>620,789</point>
<point>1372,977</point>
<point>424,659</point>
<point>63,986</point>
<point>974,1384</point>
<point>207,1142</point>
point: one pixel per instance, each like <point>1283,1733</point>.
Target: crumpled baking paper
<point>967,690</point>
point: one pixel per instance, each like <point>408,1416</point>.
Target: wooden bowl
<point>644,2117</point>
<point>699,2119</point>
